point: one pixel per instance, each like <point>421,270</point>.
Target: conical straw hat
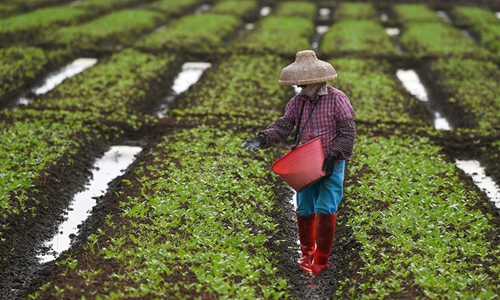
<point>307,69</point>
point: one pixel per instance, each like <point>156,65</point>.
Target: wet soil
<point>20,273</point>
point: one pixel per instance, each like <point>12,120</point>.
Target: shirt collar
<point>321,92</point>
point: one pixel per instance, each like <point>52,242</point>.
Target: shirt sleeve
<point>346,127</point>
<point>343,108</point>
<point>280,129</point>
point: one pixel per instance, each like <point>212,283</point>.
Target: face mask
<point>310,89</point>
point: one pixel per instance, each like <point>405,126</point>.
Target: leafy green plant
<point>422,235</point>
<point>111,30</point>
<point>116,88</point>
<point>477,95</point>
<point>413,12</point>
<point>253,90</point>
<point>29,26</point>
<point>277,35</point>
<point>473,15</point>
<point>210,224</point>
<point>20,66</point>
<point>241,8</point>
<point>357,37</point>
<point>200,33</point>
<point>355,11</point>
<point>375,93</point>
<point>437,39</point>
<point>297,9</point>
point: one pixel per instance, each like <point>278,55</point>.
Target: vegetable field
<point>194,216</point>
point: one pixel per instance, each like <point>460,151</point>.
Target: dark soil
<point>20,272</point>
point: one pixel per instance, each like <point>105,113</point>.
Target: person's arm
<point>346,128</point>
<point>277,131</point>
<point>344,142</point>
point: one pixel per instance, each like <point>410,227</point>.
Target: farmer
<point>322,111</point>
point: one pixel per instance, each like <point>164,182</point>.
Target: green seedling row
<point>115,89</point>
<point>20,66</point>
<point>489,36</point>
<point>30,142</point>
<point>483,23</point>
<point>11,7</point>
<point>419,225</point>
<point>210,225</point>
<point>472,16</point>
<point>277,35</point>
<point>7,9</point>
<point>108,32</point>
<point>363,37</point>
<point>238,8</point>
<point>171,8</point>
<point>302,9</point>
<point>473,85</point>
<point>253,90</point>
<point>438,40</point>
<point>199,33</point>
<point>355,11</point>
<point>375,92</point>
<point>99,6</point>
<point>409,13</point>
<point>32,27</point>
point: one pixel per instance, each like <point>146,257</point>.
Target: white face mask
<point>311,89</point>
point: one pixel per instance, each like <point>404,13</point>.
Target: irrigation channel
<point>111,165</point>
<point>52,80</point>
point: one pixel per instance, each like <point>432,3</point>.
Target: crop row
<point>201,233</point>
<point>357,37</point>
<point>11,7</point>
<point>210,225</point>
<point>473,87</point>
<point>25,66</point>
<point>204,233</point>
<point>115,89</point>
<point>420,226</point>
<point>483,23</point>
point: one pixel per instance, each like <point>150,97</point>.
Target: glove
<point>329,164</point>
<point>254,144</point>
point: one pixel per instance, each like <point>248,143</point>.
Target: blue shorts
<point>325,195</point>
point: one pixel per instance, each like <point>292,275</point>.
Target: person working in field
<point>319,110</point>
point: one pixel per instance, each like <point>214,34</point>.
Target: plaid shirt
<point>332,119</point>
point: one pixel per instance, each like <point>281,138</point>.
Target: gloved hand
<point>254,144</point>
<point>329,164</point>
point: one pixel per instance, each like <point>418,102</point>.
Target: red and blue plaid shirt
<point>331,119</point>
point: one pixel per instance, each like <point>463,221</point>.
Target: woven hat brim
<point>309,81</point>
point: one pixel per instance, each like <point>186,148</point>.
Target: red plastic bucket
<point>302,166</point>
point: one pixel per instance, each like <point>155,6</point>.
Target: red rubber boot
<point>325,231</point>
<point>307,232</point>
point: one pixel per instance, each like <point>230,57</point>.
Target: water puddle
<point>384,17</point>
<point>412,83</point>
<point>485,183</point>
<point>203,8</point>
<point>111,165</point>
<point>189,75</point>
<point>249,26</point>
<point>265,11</point>
<point>444,16</point>
<point>324,14</point>
<point>467,34</point>
<point>394,33</point>
<point>320,31</point>
<point>72,69</point>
